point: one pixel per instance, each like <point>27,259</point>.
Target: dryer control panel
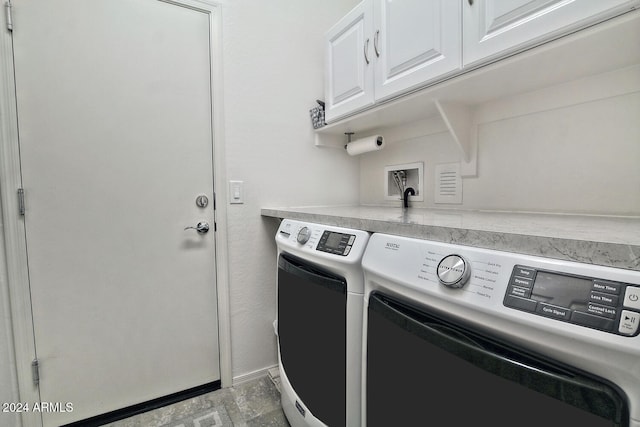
<point>595,303</point>
<point>321,241</point>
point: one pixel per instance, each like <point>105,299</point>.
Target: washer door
<point>312,324</point>
<point>422,367</point>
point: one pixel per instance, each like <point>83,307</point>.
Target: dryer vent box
<point>448,184</point>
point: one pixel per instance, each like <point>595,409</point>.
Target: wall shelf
<point>449,104</point>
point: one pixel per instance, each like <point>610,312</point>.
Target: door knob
<point>201,227</point>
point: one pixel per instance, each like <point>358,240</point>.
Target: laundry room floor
<point>253,403</point>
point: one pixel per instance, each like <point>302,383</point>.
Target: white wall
<point>572,148</point>
<point>273,73</point>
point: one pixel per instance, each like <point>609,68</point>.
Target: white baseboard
<point>250,376</point>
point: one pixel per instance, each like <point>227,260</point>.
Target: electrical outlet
<point>414,177</point>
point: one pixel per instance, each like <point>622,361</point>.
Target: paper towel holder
<point>364,145</point>
<point>349,138</point>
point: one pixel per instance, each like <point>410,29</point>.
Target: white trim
<point>15,259</point>
<point>219,183</point>
<point>220,187</point>
<point>254,375</point>
<point>13,224</point>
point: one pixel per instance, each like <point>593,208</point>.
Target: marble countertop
<point>603,240</point>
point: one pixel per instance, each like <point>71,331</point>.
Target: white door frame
<point>13,226</point>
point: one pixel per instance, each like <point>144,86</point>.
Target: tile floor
<point>254,403</point>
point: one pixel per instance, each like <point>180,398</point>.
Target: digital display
<point>336,243</point>
<point>564,291</point>
<point>333,240</point>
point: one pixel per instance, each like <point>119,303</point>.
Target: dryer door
<point>422,367</point>
<point>312,324</point>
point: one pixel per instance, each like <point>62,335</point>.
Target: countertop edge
<point>599,253</point>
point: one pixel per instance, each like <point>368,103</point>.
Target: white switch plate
<point>236,192</point>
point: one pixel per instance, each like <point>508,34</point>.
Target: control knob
<point>303,235</point>
<point>453,271</point>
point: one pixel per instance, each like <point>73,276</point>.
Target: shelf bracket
<point>459,121</point>
<point>328,140</point>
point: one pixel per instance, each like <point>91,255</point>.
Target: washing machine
<point>320,289</point>
<point>463,336</point>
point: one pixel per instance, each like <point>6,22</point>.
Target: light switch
<point>235,192</point>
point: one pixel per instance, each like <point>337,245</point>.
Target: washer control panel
<point>605,305</point>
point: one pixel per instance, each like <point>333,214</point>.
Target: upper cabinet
<point>384,47</point>
<point>348,68</point>
<point>496,27</point>
<point>414,42</point>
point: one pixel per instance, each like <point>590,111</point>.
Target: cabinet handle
<point>375,43</point>
<point>366,49</point>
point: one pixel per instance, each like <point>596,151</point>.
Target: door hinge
<point>21,201</point>
<point>35,371</point>
<point>214,200</point>
<point>9,15</point>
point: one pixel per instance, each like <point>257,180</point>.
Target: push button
<point>605,286</point>
<point>632,297</point>
<point>520,292</point>
<point>602,310</point>
<point>525,272</point>
<point>522,282</point>
<point>553,311</point>
<point>606,299</point>
<point>629,322</point>
<point>591,321</point>
<point>520,303</point>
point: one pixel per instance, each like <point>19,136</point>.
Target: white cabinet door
<point>415,41</point>
<point>500,26</point>
<point>348,62</point>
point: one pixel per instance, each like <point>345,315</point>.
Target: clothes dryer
<point>460,336</point>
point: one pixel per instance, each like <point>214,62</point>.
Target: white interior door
<point>115,125</point>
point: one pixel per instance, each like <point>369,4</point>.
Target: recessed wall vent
<point>448,188</point>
